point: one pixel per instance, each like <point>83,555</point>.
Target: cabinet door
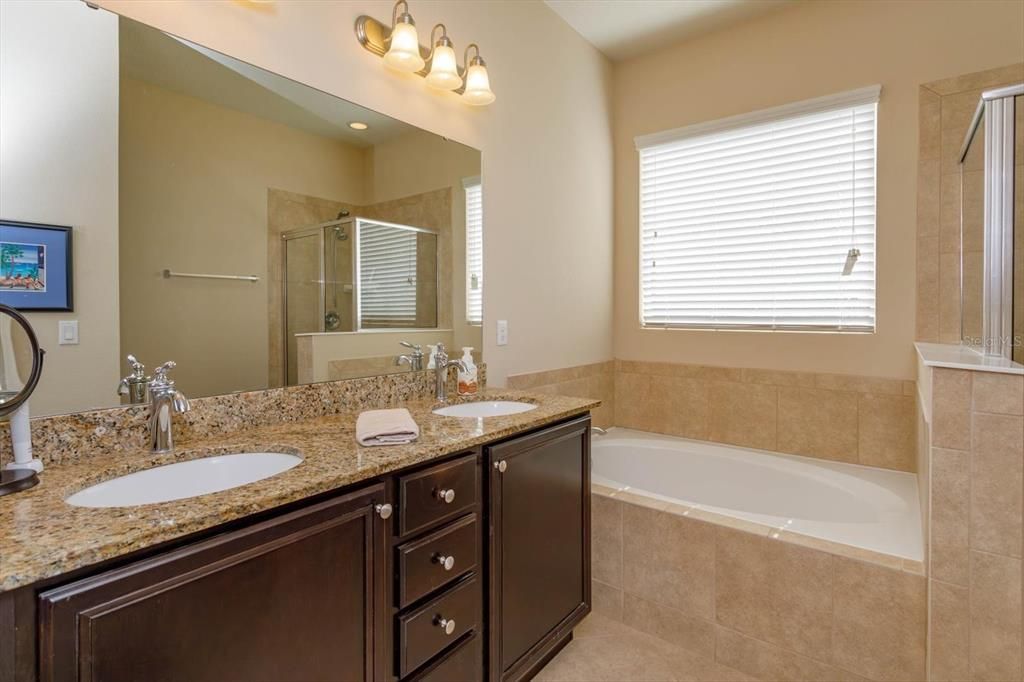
<point>540,545</point>
<point>298,597</point>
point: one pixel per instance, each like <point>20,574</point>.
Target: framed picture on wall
<point>35,266</point>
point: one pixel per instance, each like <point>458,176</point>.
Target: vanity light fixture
<point>399,46</point>
<point>358,125</point>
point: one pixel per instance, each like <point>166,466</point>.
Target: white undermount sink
<point>486,408</point>
<point>184,479</point>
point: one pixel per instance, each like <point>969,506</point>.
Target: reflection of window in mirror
<point>397,276</point>
<point>474,251</point>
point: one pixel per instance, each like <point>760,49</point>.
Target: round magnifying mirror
<point>21,363</point>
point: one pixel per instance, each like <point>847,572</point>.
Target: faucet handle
<point>138,369</point>
<point>160,373</point>
<point>415,348</point>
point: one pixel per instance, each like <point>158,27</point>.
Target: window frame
<point>844,100</point>
<point>468,184</point>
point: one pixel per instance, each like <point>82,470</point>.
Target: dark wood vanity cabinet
<point>539,575</point>
<point>299,597</point>
<point>480,573</point>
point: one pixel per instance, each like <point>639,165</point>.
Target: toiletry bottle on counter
<point>431,351</point>
<point>467,377</point>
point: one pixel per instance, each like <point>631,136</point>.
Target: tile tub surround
<point>71,437</point>
<point>945,109</point>
<point>583,381</point>
<point>975,483</point>
<point>846,418</point>
<point>771,605</point>
<point>43,536</point>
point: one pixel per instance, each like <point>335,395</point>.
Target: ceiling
<point>623,29</point>
<point>155,57</point>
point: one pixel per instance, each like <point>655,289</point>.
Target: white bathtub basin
<point>485,408</point>
<point>184,479</point>
<point>876,509</point>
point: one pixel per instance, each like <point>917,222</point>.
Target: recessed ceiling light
<point>357,125</point>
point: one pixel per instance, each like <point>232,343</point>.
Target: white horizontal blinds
<point>749,227</point>
<point>474,253</point>
<point>387,276</point>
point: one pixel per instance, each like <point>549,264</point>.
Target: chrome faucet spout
<point>442,363</point>
<point>166,401</point>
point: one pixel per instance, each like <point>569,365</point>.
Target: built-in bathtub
<point>862,507</point>
<point>782,567</point>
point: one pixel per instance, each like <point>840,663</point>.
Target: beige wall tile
<point>818,423</point>
<point>606,540</point>
<point>950,516</point>
<point>859,384</point>
<point>632,398</point>
<point>879,621</point>
<point>998,393</point>
<point>997,483</point>
<point>681,408</point>
<point>774,591</point>
<point>743,414</point>
<point>767,661</point>
<point>929,133</point>
<point>669,560</point>
<point>949,625</point>
<point>928,288</point>
<point>886,433</point>
<point>951,408</point>
<point>995,617</point>
<point>777,377</point>
<point>949,298</point>
<point>980,79</point>
<point>670,625</point>
<point>606,600</point>
<point>949,213</point>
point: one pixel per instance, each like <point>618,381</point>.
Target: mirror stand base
<point>17,480</point>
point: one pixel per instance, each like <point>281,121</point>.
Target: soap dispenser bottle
<point>467,376</point>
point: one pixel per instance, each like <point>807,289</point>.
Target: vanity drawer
<point>437,494</point>
<point>423,633</point>
<point>465,663</point>
<point>421,563</point>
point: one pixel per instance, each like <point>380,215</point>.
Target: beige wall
<point>58,165</point>
<point>547,158</point>
<point>812,49</point>
<point>203,208</point>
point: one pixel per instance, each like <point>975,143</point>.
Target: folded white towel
<point>386,427</point>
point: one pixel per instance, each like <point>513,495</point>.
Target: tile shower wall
<point>945,111</point>
<point>856,419</point>
<point>770,608</point>
<point>975,422</point>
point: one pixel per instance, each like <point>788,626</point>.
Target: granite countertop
<point>42,536</point>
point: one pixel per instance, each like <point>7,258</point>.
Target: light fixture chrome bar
<point>374,36</point>
<point>245,278</point>
<point>997,297</point>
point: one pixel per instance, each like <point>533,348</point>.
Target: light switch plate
<point>67,332</point>
<point>502,332</point>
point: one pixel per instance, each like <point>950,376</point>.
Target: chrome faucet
<point>136,384</point>
<point>415,358</point>
<point>442,363</point>
<point>165,402</point>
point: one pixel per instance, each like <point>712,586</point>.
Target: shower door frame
<point>996,110</point>
<point>318,232</point>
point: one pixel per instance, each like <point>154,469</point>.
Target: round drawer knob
<point>384,510</point>
<point>445,624</point>
<point>446,562</point>
<point>446,495</point>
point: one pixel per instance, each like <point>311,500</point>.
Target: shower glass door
<point>303,298</point>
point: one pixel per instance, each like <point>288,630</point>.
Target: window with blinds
<point>750,222</point>
<point>474,252</point>
<point>387,276</point>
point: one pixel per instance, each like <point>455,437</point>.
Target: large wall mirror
<point>269,233</point>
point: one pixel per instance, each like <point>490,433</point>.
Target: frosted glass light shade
<point>444,73</point>
<point>404,52</point>
<point>478,86</point>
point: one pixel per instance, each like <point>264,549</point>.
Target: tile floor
<point>604,650</point>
